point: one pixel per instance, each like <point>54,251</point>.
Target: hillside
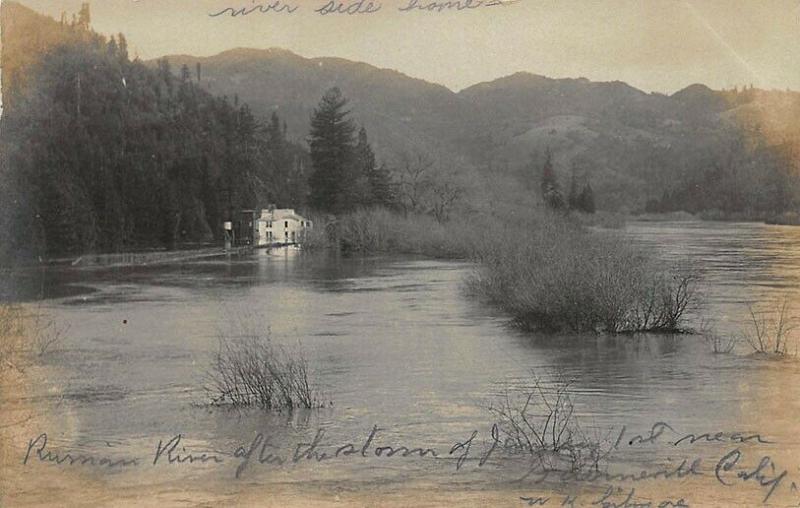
<point>628,143</point>
<point>25,36</point>
<point>402,114</point>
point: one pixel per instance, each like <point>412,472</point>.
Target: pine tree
<point>371,185</point>
<point>185,74</point>
<point>365,157</point>
<point>123,48</point>
<point>331,143</point>
<point>383,189</point>
<point>112,47</point>
<point>84,17</point>
<point>359,192</point>
<point>275,135</point>
<point>551,190</point>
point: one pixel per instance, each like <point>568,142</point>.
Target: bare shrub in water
<point>771,330</point>
<point>540,420</point>
<point>251,371</point>
<point>664,298</point>
<point>559,277</point>
<point>717,343</point>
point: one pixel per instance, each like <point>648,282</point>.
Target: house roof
<point>281,214</point>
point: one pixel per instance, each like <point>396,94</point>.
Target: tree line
<point>744,176</point>
<point>103,153</point>
<point>578,199</point>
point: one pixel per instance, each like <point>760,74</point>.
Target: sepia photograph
<point>400,253</point>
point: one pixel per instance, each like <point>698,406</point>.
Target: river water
<point>395,342</point>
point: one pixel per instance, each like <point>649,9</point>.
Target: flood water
<point>395,342</point>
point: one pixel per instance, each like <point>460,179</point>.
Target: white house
<point>281,226</point>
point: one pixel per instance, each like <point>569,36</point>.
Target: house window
<point>286,224</point>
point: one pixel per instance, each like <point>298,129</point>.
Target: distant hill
<point>402,114</point>
<point>629,143</point>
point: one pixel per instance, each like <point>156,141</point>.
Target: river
<point>395,342</point>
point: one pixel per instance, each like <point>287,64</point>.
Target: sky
<point>654,45</point>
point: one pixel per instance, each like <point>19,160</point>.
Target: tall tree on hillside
<point>365,157</point>
<point>123,48</point>
<point>551,190</point>
<point>383,188</point>
<point>276,136</point>
<point>84,16</point>
<point>373,182</point>
<point>331,143</point>
<point>360,191</point>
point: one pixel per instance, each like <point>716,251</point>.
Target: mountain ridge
<point>630,143</point>
<point>240,51</point>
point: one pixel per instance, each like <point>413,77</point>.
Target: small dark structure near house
<point>244,228</point>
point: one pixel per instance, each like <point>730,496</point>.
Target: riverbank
<point>133,258</point>
<point>152,257</point>
<point>789,218</point>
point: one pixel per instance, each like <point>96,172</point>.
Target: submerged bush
<point>561,278</point>
<point>251,371</point>
<point>539,419</point>
<point>771,331</point>
<point>719,344</point>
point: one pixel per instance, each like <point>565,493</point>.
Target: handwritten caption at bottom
<point>738,466</point>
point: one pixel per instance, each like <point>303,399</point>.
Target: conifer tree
<point>551,190</point>
<point>331,143</point>
<point>360,191</point>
